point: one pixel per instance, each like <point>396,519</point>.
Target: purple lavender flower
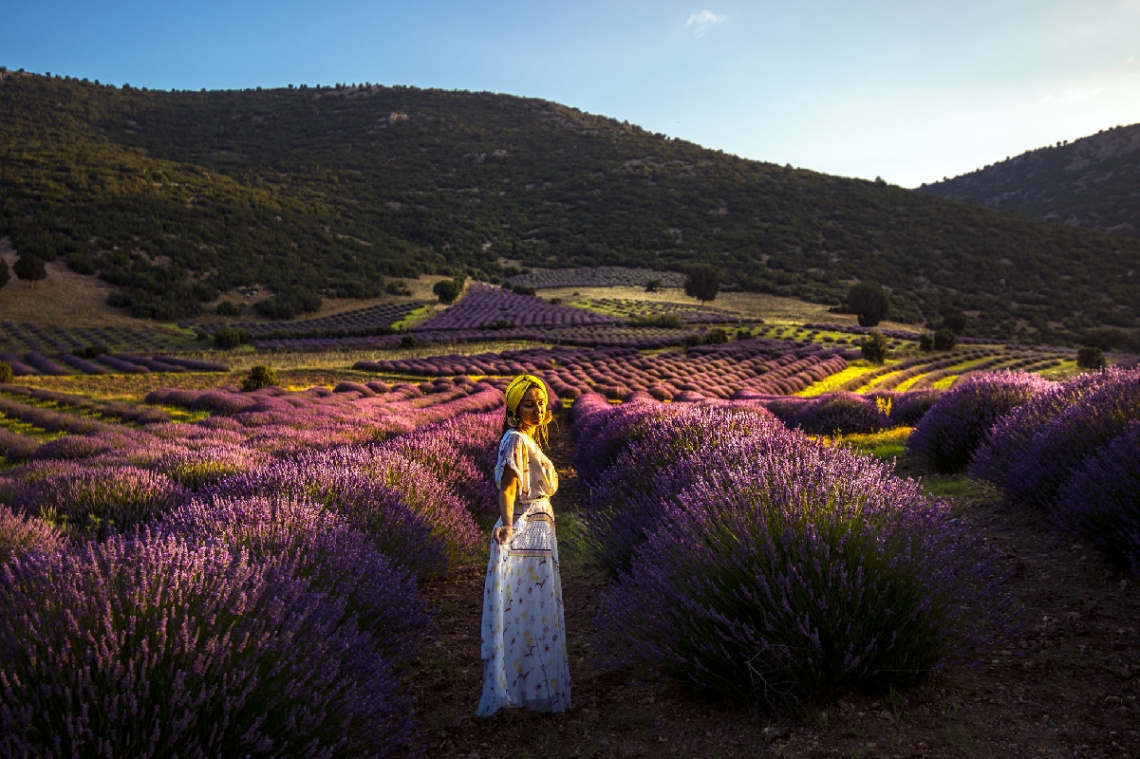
<point>21,534</point>
<point>149,646</point>
<point>958,424</point>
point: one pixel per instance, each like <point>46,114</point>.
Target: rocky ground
<point>1065,685</point>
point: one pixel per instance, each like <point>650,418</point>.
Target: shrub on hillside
<point>949,434</point>
<point>146,645</point>
<point>784,572</point>
<point>944,340</point>
<point>6,375</point>
<point>870,302</point>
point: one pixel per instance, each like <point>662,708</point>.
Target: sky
<point>908,90</point>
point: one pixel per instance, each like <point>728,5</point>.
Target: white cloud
<point>704,20</point>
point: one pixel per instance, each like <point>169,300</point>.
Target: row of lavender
<point>598,276</point>
<point>361,319</point>
<point>124,363</point>
<point>245,584</point>
<point>755,366</point>
<point>1069,449</point>
<point>54,338</point>
<point>753,563</point>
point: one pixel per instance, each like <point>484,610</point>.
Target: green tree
<point>30,268</point>
<point>259,376</point>
<point>652,285</point>
<point>446,290</point>
<point>944,340</point>
<point>1090,357</point>
<point>228,337</point>
<point>703,283</point>
<point>874,347</point>
<point>869,302</point>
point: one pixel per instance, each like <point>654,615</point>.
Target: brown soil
<point>1066,685</point>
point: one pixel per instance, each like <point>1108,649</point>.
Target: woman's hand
<point>503,533</point>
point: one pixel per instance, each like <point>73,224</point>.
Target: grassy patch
<point>886,445</point>
<point>833,382</point>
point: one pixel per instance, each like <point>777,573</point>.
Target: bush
<point>926,342</point>
<point>716,336</point>
<point>816,572</point>
<point>1058,448</point>
<point>6,375</point>
<point>137,645</point>
<point>21,535</point>
<point>954,428</point>
<point>407,342</point>
<point>397,287</point>
<point>99,500</point>
<point>944,340</point>
<point>229,308</point>
<point>653,285</point>
<point>832,414</point>
<point>259,376</point>
<point>228,337</point>
<point>1090,357</point>
<point>524,290</point>
<point>337,560</point>
<point>1101,500</point>
<point>873,348</point>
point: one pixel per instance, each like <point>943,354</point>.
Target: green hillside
<point>177,196</point>
<point>1092,182</point>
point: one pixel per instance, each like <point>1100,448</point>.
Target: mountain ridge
<point>174,197</point>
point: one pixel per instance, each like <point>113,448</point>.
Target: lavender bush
<point>786,572</point>
<point>948,435</point>
<point>324,549</point>
<point>1101,501</point>
<point>149,646</point>
<point>21,534</point>
<point>832,414</point>
<point>1009,443</point>
<point>99,500</point>
<point>1060,447</point>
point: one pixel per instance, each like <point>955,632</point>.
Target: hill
<point>1092,182</point>
<point>176,197</point>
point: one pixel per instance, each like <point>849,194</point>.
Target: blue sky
<point>909,90</point>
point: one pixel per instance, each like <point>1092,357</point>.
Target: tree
<point>956,323</point>
<point>447,290</point>
<point>944,340</point>
<point>652,285</point>
<point>30,268</point>
<point>869,302</point>
<point>874,347</point>
<point>1090,357</point>
<point>4,275</point>
<point>703,283</point>
<point>5,372</point>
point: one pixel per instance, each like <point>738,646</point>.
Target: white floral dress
<point>524,629</point>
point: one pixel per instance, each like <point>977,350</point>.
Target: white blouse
<point>535,472</point>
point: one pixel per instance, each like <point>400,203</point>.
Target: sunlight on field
<point>886,445</point>
<point>835,381</point>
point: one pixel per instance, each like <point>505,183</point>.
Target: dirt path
<point>1066,685</point>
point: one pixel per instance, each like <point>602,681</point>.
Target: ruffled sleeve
<point>512,454</point>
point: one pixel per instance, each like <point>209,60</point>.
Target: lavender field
<point>208,570</point>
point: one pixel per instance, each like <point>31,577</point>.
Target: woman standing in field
<point>524,631</point>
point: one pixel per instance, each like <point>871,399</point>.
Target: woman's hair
<point>514,395</point>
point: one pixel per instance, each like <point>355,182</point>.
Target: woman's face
<point>532,408</point>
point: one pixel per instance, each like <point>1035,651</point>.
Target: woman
<point>524,631</point>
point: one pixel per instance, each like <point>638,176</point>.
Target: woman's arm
<point>508,487</point>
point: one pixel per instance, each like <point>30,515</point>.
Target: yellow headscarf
<point>515,392</point>
<point>518,387</point>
